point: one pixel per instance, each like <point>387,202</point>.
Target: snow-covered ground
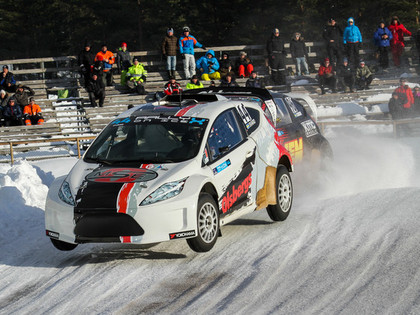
<point>349,246</point>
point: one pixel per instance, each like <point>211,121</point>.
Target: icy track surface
<point>350,246</point>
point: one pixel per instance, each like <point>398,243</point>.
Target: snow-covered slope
<point>349,246</point>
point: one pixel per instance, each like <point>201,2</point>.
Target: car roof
<point>207,106</point>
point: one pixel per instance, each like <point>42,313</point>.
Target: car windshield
<point>148,139</point>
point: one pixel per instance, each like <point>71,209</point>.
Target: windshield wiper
<point>99,160</point>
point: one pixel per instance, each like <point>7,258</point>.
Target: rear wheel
<point>63,245</point>
<point>284,195</point>
<point>207,224</point>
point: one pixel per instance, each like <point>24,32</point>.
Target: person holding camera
<point>186,45</point>
<point>208,66</point>
<point>382,38</point>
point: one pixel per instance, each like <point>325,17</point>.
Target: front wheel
<point>63,245</point>
<point>207,224</point>
<point>284,195</point>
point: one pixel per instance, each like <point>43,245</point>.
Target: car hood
<point>122,188</point>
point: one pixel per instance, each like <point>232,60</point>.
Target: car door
<point>231,157</point>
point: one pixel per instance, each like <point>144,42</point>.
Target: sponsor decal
<point>52,234</point>
<point>246,118</point>
<point>205,156</point>
<point>310,128</point>
<point>221,167</point>
<point>292,106</point>
<point>295,148</point>
<point>121,175</point>
<point>130,239</point>
<point>272,108</point>
<point>197,121</point>
<point>151,166</point>
<point>121,121</point>
<point>235,193</point>
<point>174,236</point>
<point>170,119</point>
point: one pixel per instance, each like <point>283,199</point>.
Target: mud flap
<point>267,194</point>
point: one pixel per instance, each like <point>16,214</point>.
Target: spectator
<point>352,39</point>
<point>299,53</point>
<point>405,95</point>
<point>212,83</point>
<point>416,106</point>
<point>396,107</point>
<point>4,99</point>
<point>186,44</point>
<point>243,65</point>
<point>228,81</point>
<point>85,60</point>
<point>137,75</point>
<point>194,83</point>
<point>172,87</point>
<point>382,39</point>
<point>2,120</point>
<point>12,114</point>
<point>169,44</point>
<point>7,81</point>
<point>326,76</point>
<point>346,76</point>
<point>276,58</point>
<point>98,67</point>
<point>225,65</point>
<point>208,66</point>
<point>96,90</point>
<point>32,114</point>
<point>22,95</point>
<point>108,59</point>
<point>397,42</point>
<point>364,76</point>
<point>332,35</point>
<point>123,62</point>
<point>254,81</point>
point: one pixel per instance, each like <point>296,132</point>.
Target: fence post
<point>78,147</point>
<point>12,160</point>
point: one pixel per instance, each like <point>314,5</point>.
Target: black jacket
<point>257,83</point>
<point>275,45</point>
<point>23,98</point>
<point>298,48</point>
<point>333,33</point>
<point>345,71</point>
<point>95,86</point>
<point>86,60</point>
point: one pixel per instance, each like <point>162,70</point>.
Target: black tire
<point>284,195</point>
<point>207,224</point>
<point>64,246</point>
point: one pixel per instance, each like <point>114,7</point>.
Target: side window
<point>282,112</point>
<point>249,118</point>
<point>295,107</point>
<point>225,134</point>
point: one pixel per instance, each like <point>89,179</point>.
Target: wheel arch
<point>284,160</point>
<point>211,190</point>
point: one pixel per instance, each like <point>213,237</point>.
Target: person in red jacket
<point>172,87</point>
<point>32,114</point>
<point>397,42</point>
<point>108,60</point>
<point>326,76</point>
<point>406,95</point>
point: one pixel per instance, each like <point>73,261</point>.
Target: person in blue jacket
<point>352,39</point>
<point>186,45</point>
<point>208,66</point>
<point>382,38</point>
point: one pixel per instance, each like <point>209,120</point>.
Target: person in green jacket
<point>137,76</point>
<point>194,83</point>
<point>364,76</point>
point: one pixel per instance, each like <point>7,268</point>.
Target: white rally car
<point>171,170</point>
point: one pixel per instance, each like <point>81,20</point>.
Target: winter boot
<point>169,74</point>
<point>173,73</point>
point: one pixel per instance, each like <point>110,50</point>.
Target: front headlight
<point>164,192</point>
<point>65,193</point>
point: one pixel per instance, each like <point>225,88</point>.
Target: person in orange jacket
<point>108,59</point>
<point>32,114</point>
<point>406,95</point>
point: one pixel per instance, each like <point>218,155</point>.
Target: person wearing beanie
<point>4,99</point>
<point>108,59</point>
<point>32,114</point>
<point>186,44</point>
<point>364,76</point>
<point>299,53</point>
<point>12,114</point>
<point>352,39</point>
<point>254,81</point>
<point>243,65</point>
<point>22,95</point>
<point>7,81</point>
<point>123,62</point>
<point>382,38</point>
<point>194,83</point>
<point>168,48</point>
<point>397,42</point>
<point>137,77</point>
<point>85,60</point>
<point>332,35</point>
<point>346,76</point>
<point>326,76</point>
<point>276,54</point>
